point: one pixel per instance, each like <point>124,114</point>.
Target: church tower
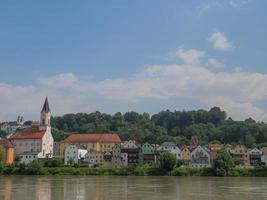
<point>45,116</point>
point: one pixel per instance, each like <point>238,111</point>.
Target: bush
<point>167,161</point>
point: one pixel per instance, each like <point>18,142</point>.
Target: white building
<point>170,147</point>
<point>35,139</point>
<point>28,157</point>
<point>74,152</point>
<point>200,158</point>
<point>89,159</point>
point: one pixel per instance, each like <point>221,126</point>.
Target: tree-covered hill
<point>178,126</point>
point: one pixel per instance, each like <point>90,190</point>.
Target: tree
<point>2,153</point>
<point>224,163</point>
<point>17,160</point>
<point>167,161</point>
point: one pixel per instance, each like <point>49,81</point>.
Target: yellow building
<point>93,142</point>
<point>240,155</point>
<point>185,154</point>
<point>8,154</point>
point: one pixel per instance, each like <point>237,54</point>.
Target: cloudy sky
<point>137,55</point>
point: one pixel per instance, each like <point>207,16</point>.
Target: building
<point>170,147</point>
<point>35,139</point>
<point>149,153</point>
<point>116,156</point>
<point>213,152</point>
<point>193,143</point>
<point>28,157</point>
<point>11,127</point>
<point>255,157</point>
<point>56,149</point>
<point>130,153</point>
<point>75,153</point>
<point>186,154</point>
<point>93,142</point>
<point>8,151</point>
<point>264,155</point>
<point>200,158</point>
<point>240,155</point>
<point>107,158</point>
<point>89,159</point>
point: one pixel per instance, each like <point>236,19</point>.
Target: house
<point>130,153</point>
<point>56,149</point>
<point>255,157</point>
<point>28,157</point>
<point>107,158</point>
<point>11,127</point>
<point>200,158</point>
<point>193,143</point>
<point>170,147</point>
<point>149,153</point>
<point>74,152</point>
<point>89,159</point>
<point>186,154</point>
<point>264,155</point>
<point>116,156</point>
<point>240,155</point>
<point>213,152</point>
<point>8,151</point>
<point>36,139</point>
<point>93,142</point>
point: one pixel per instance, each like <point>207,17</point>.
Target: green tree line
<point>178,126</point>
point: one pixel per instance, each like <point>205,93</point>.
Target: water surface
<point>131,188</point>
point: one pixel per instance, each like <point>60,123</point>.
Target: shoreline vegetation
<point>144,170</point>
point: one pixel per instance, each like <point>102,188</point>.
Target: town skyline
<point>126,56</point>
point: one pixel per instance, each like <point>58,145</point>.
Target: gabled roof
<point>168,144</point>
<point>29,133</point>
<point>107,137</point>
<point>6,143</point>
<point>46,108</point>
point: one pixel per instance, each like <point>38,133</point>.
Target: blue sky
<point>133,55</point>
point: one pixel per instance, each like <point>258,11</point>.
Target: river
<point>131,188</point>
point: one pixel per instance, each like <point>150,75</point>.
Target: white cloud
<point>191,56</point>
<point>220,41</point>
<point>215,63</point>
<point>238,3</point>
<point>60,81</point>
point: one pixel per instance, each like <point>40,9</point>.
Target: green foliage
<point>224,163</point>
<point>167,161</point>
<point>2,153</point>
<point>17,160</point>
<point>177,126</point>
<point>3,134</point>
<point>53,162</point>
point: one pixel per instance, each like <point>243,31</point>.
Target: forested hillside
<point>178,126</point>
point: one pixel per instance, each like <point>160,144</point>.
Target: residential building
<point>28,157</point>
<point>149,153</point>
<point>200,158</point>
<point>93,142</point>
<point>186,154</point>
<point>36,139</point>
<point>56,149</point>
<point>89,159</point>
<point>255,156</point>
<point>8,151</point>
<point>264,155</point>
<point>170,147</point>
<point>107,158</point>
<point>11,127</point>
<point>213,152</point>
<point>74,152</point>
<point>240,155</point>
<point>130,153</point>
<point>116,156</point>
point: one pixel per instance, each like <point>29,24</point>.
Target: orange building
<point>8,157</point>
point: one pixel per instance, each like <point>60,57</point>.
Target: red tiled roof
<point>74,138</point>
<point>264,150</point>
<point>30,133</point>
<point>6,143</point>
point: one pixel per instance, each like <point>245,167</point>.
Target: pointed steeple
<point>46,108</point>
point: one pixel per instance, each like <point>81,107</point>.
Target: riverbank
<point>140,170</point>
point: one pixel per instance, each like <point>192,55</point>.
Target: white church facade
<point>35,141</point>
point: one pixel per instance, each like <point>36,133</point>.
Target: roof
<point>29,153</point>
<point>168,144</point>
<point>46,108</point>
<point>105,137</point>
<point>6,143</point>
<point>29,133</point>
<point>264,150</point>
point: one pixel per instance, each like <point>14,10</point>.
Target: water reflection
<point>130,188</point>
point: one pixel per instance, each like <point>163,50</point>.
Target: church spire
<point>46,108</point>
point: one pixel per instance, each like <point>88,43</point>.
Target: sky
<point>142,55</point>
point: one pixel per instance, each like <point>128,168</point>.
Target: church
<point>36,141</point>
